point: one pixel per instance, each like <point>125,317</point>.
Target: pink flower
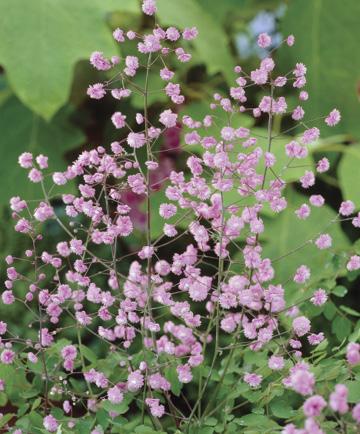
<point>8,297</point>
<point>319,298</point>
<point>136,140</point>
<point>168,118</point>
<point>356,413</point>
<point>124,226</point>
<point>300,70</point>
<point>135,381</point>
<point>26,160</point>
<point>3,327</point>
<point>32,357</point>
<point>46,339</point>
<point>184,373</point>
<point>149,7</point>
<point>252,379</point>
<point>302,274</point>
<point>132,64</point>
<point>324,241</point>
<point>190,33</point>
<point>259,76</point>
<point>66,406</point>
<point>354,263</point>
<point>166,74</point>
<point>298,113</point>
<point>317,200</point>
<point>35,175</point>
<point>118,35</point>
<point>333,118</point>
<point>118,119</point>
<point>338,399</point>
<point>303,96</point>
<point>310,135</point>
<point>316,339</point>
<point>99,62</point>
<point>115,395</point>
<point>69,352</point>
<point>290,40</point>
<point>301,380</point>
<point>158,382</point>
<point>42,161</point>
<point>167,210</point>
<point>303,212</point>
<point>356,221</point>
<point>146,252</point>
<point>50,423</point>
<point>276,363</point>
<point>264,40</point>
<point>353,353</point>
<point>323,165</point>
<point>96,91</point>
<point>43,212</point>
<point>308,180</point>
<point>16,204</point>
<point>172,34</point>
<point>7,357</point>
<point>301,325</point>
<point>169,230</point>
<point>59,178</point>
<point>347,208</point>
<point>199,289</point>
<point>136,183</point>
<point>156,409</point>
<point>23,226</point>
<point>314,405</point>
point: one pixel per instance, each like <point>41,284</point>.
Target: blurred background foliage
<point>44,51</point>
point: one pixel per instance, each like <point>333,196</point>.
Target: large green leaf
<point>349,173</point>
<point>44,40</point>
<point>327,35</point>
<point>286,234</point>
<point>21,130</point>
<point>211,44</point>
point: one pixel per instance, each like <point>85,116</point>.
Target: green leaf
<point>172,377</point>
<point>36,404</point>
<point>212,38</point>
<point>349,311</point>
<point>326,53</point>
<point>281,408</point>
<point>329,310</point>
<point>349,173</point>
<point>354,391</point>
<point>84,425</point>
<point>143,429</point>
<point>121,408</point>
<point>3,399</point>
<point>339,291</point>
<point>16,384</point>
<point>45,39</point>
<point>22,130</point>
<point>341,327</point>
<point>88,354</point>
<point>6,418</point>
<point>210,421</point>
<point>257,421</point>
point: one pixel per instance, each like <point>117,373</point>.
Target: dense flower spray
<point>165,318</point>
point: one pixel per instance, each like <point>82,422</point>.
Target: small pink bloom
<point>264,40</point>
